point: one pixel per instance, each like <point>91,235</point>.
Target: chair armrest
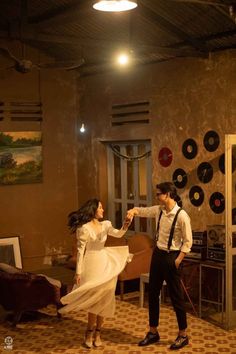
<point>139,264</point>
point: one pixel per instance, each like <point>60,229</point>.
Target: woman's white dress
<point>98,267</point>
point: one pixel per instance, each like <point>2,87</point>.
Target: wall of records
<point>209,241</point>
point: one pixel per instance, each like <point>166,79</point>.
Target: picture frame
<point>21,157</point>
<point>10,251</point>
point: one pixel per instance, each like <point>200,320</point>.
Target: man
<point>173,241</point>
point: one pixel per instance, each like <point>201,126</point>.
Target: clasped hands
<point>129,217</point>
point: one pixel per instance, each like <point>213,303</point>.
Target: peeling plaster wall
<point>188,98</point>
<point>38,212</point>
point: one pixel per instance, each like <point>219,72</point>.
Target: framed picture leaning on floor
<point>10,251</point>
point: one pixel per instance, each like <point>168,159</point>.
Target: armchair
<point>141,246</point>
<point>22,291</point>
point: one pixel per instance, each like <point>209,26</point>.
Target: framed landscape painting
<point>20,157</point>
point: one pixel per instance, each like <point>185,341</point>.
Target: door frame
<point>125,201</point>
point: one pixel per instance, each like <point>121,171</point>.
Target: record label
<point>196,195</point>
<point>205,172</point>
<point>217,202</point>
<point>165,156</point>
<point>179,178</point>
<point>189,149</point>
<point>211,140</point>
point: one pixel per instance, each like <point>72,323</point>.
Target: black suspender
<point>158,225</point>
<point>171,230</point>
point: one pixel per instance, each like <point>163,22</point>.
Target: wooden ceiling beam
<point>61,15</point>
<point>208,38</point>
<point>169,27</point>
<point>136,47</point>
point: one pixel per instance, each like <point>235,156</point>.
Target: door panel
<point>129,182</point>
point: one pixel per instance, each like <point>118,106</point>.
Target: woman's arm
<point>111,231</point>
<point>82,235</point>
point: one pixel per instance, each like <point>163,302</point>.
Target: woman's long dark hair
<point>83,215</point>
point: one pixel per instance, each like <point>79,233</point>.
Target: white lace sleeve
<point>82,235</point>
<point>111,231</point>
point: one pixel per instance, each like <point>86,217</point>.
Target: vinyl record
<point>165,156</point>
<point>205,172</point>
<point>196,195</point>
<point>189,149</point>
<point>222,163</point>
<point>234,216</point>
<point>211,140</point>
<point>180,178</point>
<point>217,202</point>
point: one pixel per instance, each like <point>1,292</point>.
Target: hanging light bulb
<point>123,59</point>
<point>115,5</point>
<point>82,128</point>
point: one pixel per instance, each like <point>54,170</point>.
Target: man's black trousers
<point>163,268</point>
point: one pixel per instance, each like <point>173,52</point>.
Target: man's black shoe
<point>180,342</point>
<point>149,339</point>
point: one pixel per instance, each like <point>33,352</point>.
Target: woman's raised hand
<point>127,222</point>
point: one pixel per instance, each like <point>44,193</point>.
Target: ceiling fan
<point>25,65</point>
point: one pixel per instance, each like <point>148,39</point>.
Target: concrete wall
<point>188,98</point>
<point>38,212</point>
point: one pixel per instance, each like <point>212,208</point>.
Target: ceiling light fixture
<point>115,5</point>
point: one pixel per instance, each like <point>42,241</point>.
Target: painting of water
<point>20,157</point>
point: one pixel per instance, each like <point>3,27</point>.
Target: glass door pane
<point>130,173</point>
<point>230,175</point>
<point>233,227</point>
<point>234,283</point>
<point>117,175</point>
<point>118,215</point>
<point>142,173</point>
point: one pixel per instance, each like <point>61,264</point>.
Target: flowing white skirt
<point>96,292</point>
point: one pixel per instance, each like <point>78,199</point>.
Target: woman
<point>97,268</point>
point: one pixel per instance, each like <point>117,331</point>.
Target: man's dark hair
<point>168,187</point>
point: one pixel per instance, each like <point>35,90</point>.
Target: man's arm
<point>145,212</point>
<point>187,238</point>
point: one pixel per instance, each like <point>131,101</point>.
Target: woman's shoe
<point>88,339</point>
<point>97,340</point>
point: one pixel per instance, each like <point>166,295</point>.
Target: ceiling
<point>72,32</point>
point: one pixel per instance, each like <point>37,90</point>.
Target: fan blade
<point>7,54</point>
<point>76,66</point>
<point>62,65</point>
